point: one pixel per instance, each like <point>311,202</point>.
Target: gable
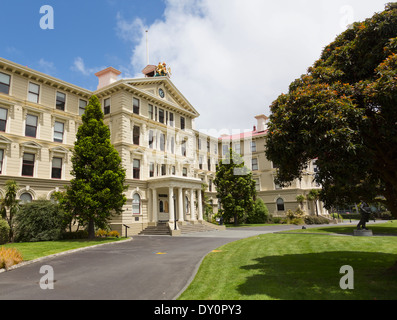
<point>163,91</point>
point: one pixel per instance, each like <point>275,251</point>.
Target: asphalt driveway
<point>145,268</point>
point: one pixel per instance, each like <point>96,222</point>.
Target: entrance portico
<point>175,198</point>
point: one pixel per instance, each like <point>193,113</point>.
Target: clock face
<point>161,93</point>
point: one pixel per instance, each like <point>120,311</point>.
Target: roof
<point>243,135</point>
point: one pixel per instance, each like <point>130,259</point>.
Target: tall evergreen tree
<point>95,193</point>
<point>235,187</point>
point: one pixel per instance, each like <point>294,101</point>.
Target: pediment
<point>31,144</point>
<point>164,92</point>
<point>4,140</point>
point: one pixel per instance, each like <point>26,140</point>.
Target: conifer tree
<point>95,193</point>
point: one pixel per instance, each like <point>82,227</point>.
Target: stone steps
<point>160,230</point>
<point>193,228</point>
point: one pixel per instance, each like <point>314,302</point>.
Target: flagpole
<point>147,48</point>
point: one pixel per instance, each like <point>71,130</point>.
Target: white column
<point>154,206</point>
<point>192,206</point>
<point>200,206</point>
<point>180,205</point>
<point>171,204</point>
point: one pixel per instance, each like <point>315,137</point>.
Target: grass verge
<point>297,267</point>
<point>35,250</point>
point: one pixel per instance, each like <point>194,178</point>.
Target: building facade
<point>167,161</point>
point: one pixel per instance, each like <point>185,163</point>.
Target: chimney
<point>262,120</point>
<point>107,76</point>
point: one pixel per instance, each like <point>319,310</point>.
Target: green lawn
<point>387,228</point>
<point>34,250</point>
<point>297,267</point>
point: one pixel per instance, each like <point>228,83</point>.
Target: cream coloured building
<point>152,127</point>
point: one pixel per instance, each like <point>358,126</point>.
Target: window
<point>277,186</point>
<point>208,146</point>
<point>150,112</point>
<point>182,123</point>
<point>31,126</point>
<point>4,83</point>
<point>28,165</point>
<point>135,105</point>
<point>183,148</point>
<point>151,170</point>
<point>162,142</point>
<point>199,143</point>
<point>210,185</point>
<point>257,184</point>
<point>106,106</point>
<point>136,204</point>
<point>225,149</point>
<point>1,160</point>
<point>280,205</point>
<point>56,172</point>
<point>173,172</point>
<point>253,146</point>
<point>61,101</point>
<point>136,135</point>
<point>151,139</point>
<point>82,105</point>
<point>171,119</point>
<point>184,172</point>
<point>34,91</point>
<point>201,162</point>
<point>58,131</point>
<point>161,115</point>
<point>136,169</point>
<point>209,164</point>
<point>3,119</point>
<point>237,148</point>
<point>26,198</point>
<point>163,170</point>
<point>155,113</point>
<point>255,164</point>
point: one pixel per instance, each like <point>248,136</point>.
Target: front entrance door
<point>164,214</point>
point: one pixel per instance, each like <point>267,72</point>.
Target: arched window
<point>136,204</point>
<point>280,205</point>
<point>26,198</point>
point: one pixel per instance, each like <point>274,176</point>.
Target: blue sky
<point>230,58</point>
<point>80,30</point>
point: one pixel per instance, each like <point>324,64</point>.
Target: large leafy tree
<point>95,193</point>
<point>235,187</point>
<point>343,112</point>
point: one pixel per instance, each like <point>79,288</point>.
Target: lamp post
<point>174,198</point>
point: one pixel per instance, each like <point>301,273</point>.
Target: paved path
<point>146,268</point>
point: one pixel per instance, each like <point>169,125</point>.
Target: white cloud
<point>232,58</point>
<point>47,67</point>
<point>79,66</point>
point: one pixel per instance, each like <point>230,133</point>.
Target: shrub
<point>80,234</point>
<point>260,214</point>
<point>297,221</point>
<point>39,221</point>
<point>4,231</point>
<point>316,220</point>
<point>101,233</point>
<point>114,234</point>
<point>9,257</point>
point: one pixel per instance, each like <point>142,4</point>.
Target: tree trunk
<point>91,229</point>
